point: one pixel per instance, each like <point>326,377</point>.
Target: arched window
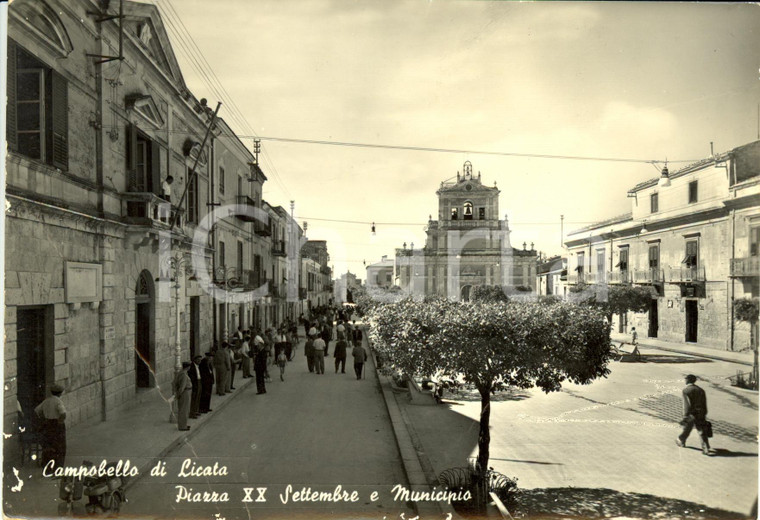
<point>45,23</point>
<point>454,213</point>
<point>468,210</point>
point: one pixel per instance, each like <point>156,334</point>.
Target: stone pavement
<point>610,445</point>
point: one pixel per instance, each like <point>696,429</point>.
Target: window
<point>692,192</point>
<point>221,180</point>
<point>654,203</point>
<point>623,262</point>
<point>143,163</point>
<point>654,256</point>
<point>454,213</point>
<point>581,262</point>
<point>240,186</point>
<point>600,264</point>
<point>221,254</point>
<point>192,199</point>
<point>468,210</point>
<point>239,258</point>
<point>37,122</point>
<point>482,213</point>
<point>692,252</point>
<point>754,241</point>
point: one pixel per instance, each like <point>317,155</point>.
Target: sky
<point>643,81</point>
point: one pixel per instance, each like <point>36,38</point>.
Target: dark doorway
<point>654,320</point>
<point>692,318</point>
<point>623,323</point>
<point>466,293</point>
<point>35,357</point>
<point>144,331</point>
<point>195,321</point>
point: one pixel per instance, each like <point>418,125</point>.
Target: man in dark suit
<point>194,372</point>
<point>695,413</point>
<point>207,382</point>
<point>222,369</point>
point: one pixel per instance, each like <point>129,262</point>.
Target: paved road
<point>616,433</point>
<point>311,431</point>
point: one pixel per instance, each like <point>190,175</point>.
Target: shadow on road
<point>721,452</point>
<point>608,503</point>
<point>470,394</point>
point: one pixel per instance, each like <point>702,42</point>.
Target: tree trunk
<point>484,437</point>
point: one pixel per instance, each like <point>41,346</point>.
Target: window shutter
<point>59,110</point>
<point>10,114</point>
<point>131,137</point>
<point>155,167</point>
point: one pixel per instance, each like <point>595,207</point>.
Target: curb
<point>185,437</point>
<point>689,352</point>
<point>418,478</point>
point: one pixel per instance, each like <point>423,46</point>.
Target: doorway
<point>466,293</point>
<point>654,319</point>
<point>144,333</point>
<point>692,319</point>
<point>34,345</point>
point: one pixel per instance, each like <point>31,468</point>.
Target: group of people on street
<point>251,351</point>
<point>317,347</point>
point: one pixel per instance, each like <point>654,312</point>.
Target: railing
<point>251,279</point>
<point>245,200</point>
<point>576,278</point>
<point>686,274</point>
<point>148,209</point>
<point>618,277</point>
<point>597,277</point>
<point>278,248</point>
<point>745,266</point>
<point>261,229</point>
<point>648,276</point>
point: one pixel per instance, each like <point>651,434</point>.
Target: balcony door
<point>654,261</point>
<point>692,320</point>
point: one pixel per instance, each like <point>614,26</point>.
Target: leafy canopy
<point>523,345</point>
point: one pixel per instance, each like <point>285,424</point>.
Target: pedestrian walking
<point>182,394</point>
<point>358,336</point>
<point>260,366</point>
<point>282,360</point>
<point>360,356</point>
<point>319,355</point>
<point>232,351</point>
<point>340,355</point>
<point>207,382</point>
<point>308,350</point>
<point>222,370</point>
<point>245,357</point>
<point>53,415</point>
<point>695,414</point>
<point>194,372</point>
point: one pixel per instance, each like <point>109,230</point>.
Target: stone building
<point>692,238</point>
<point>105,260</point>
<point>467,246</point>
<point>551,275</point>
<point>323,286</point>
<point>380,274</point>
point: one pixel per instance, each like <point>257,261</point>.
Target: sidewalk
<point>743,358</point>
<point>141,434</point>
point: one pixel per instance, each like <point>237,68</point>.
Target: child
<point>282,359</point>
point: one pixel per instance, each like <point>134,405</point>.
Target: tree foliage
<point>522,345</point>
<point>747,309</point>
<point>488,294</point>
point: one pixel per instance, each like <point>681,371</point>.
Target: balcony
<point>576,278</point>
<point>245,200</point>
<point>324,269</point>
<point>686,274</point>
<point>278,248</point>
<point>148,209</point>
<point>263,230</point>
<point>597,277</point>
<point>618,277</point>
<point>648,276</point>
<point>745,267</point>
<point>251,279</point>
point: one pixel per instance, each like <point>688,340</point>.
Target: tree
<point>614,299</point>
<point>522,345</point>
<point>748,311</point>
<point>488,294</point>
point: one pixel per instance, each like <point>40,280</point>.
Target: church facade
<point>467,246</point>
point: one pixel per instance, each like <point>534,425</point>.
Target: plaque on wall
<point>83,282</point>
